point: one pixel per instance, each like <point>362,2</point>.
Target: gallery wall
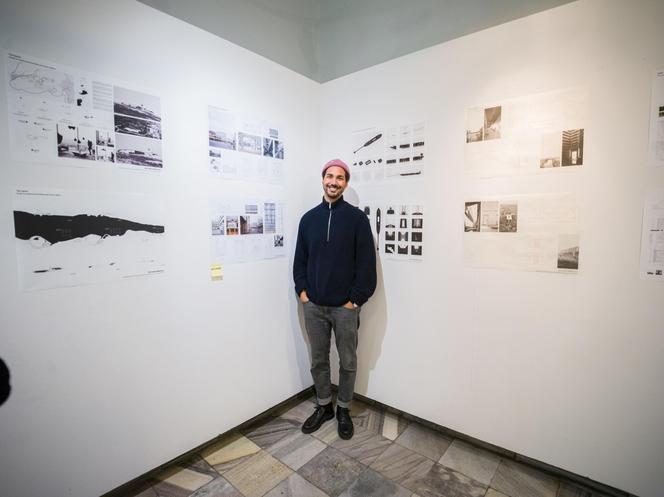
<point>113,379</point>
<point>563,368</point>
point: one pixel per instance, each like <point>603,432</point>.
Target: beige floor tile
<point>258,474</point>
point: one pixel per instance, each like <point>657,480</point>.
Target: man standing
<point>335,273</point>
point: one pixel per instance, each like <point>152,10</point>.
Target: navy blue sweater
<point>335,257</point>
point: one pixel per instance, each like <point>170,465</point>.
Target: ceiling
<point>327,39</point>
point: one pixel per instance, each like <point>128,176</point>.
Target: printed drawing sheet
<point>527,134</point>
<point>652,239</point>
<point>656,142</point>
<point>527,233</point>
<point>71,238</point>
<point>390,153</point>
<point>66,116</point>
<point>246,230</point>
<point>244,148</point>
<point>398,229</point>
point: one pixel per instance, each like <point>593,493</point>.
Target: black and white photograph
<point>389,248</point>
<point>138,151</point>
<point>251,225</point>
<point>137,127</point>
<point>268,147</point>
<point>416,250</point>
<point>402,236</point>
<point>270,216</point>
<point>105,153</point>
<point>492,118</point>
<point>568,252</point>
<point>219,225</point>
<point>105,138</point>
<point>490,216</point>
<point>215,152</point>
<point>471,217</point>
<point>550,150</point>
<point>389,236</point>
<point>508,218</point>
<point>278,149</point>
<point>221,131</point>
<point>250,144</point>
<point>278,240</point>
<point>136,104</point>
<point>402,249</point>
<point>76,142</point>
<point>475,125</point>
<point>572,148</point>
<point>416,236</point>
<point>417,223</point>
<point>403,223</point>
<point>661,111</point>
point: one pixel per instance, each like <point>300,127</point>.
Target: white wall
<point>112,380</point>
<point>565,369</point>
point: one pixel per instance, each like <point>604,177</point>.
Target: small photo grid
<point>402,233</point>
<point>490,216</point>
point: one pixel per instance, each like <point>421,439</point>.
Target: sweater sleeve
<point>300,260</point>
<point>364,284</point>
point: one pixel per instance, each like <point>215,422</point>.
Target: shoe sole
<point>311,430</point>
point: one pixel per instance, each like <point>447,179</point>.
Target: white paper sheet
<point>528,233</point>
<point>531,134</point>
<point>246,230</point>
<point>656,142</point>
<point>391,153</point>
<point>398,229</point>
<point>652,238</point>
<point>65,116</point>
<point>244,147</point>
<point>71,238</point>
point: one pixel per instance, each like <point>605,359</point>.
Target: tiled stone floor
<point>387,457</point>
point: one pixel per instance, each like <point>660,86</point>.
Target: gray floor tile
<point>295,486</point>
<point>479,464</point>
<point>332,471</point>
<point>518,480</point>
<point>300,412</point>
<point>373,484</point>
<point>398,463</point>
<point>495,493</point>
<point>572,490</point>
<point>440,481</point>
<point>364,446</point>
<point>257,475</point>
<point>267,434</point>
<point>296,449</point>
<point>217,488</point>
<point>427,442</point>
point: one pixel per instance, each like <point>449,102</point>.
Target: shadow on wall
<point>5,386</point>
<point>373,324</point>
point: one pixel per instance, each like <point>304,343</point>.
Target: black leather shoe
<point>345,427</point>
<point>320,415</point>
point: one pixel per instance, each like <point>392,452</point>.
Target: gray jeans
<point>320,321</point>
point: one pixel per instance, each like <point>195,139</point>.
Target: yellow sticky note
<point>216,272</point>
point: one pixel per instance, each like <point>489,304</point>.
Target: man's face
<point>334,183</point>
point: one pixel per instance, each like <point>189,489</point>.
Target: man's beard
<point>333,193</point>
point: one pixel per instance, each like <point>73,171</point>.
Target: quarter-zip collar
<point>332,205</point>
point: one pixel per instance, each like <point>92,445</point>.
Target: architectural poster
<point>527,135</point>
<point>380,154</point>
<point>398,229</point>
<point>656,142</point>
<point>244,148</point>
<point>529,233</point>
<point>244,231</point>
<point>652,238</point>
<point>71,238</point>
<point>59,115</point>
